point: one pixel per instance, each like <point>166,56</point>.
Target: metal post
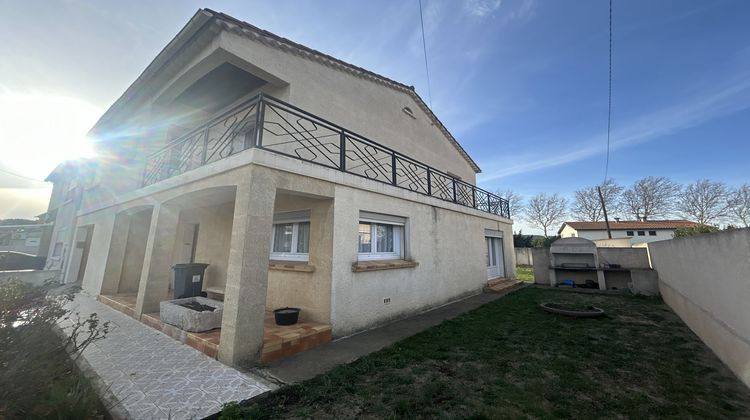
<point>393,168</point>
<point>205,146</point>
<point>454,189</point>
<point>429,182</point>
<point>473,197</point>
<point>258,123</point>
<point>262,118</point>
<point>342,152</point>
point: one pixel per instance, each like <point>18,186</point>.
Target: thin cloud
<point>482,8</point>
<point>648,127</point>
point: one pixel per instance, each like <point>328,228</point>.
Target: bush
<point>696,230</point>
<point>37,375</point>
<point>545,242</point>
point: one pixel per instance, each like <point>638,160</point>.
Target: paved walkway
<point>313,362</point>
<point>153,376</point>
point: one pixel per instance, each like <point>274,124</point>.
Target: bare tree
<point>545,210</point>
<point>650,197</point>
<point>515,201</point>
<point>587,206</point>
<point>704,201</point>
<point>739,205</point>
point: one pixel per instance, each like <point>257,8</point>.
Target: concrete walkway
<point>151,376</point>
<point>313,362</point>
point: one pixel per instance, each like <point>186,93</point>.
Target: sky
<point>522,84</point>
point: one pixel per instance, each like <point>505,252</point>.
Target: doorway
<point>495,266</point>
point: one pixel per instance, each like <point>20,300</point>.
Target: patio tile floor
<point>154,376</point>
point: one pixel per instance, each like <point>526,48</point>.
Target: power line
<point>424,49</point>
<point>609,101</point>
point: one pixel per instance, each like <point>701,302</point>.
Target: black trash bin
<point>188,279</point>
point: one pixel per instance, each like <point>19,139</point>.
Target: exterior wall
<point>310,292</point>
<point>27,239</point>
<point>704,279</point>
<point>214,235</point>
<point>363,106</point>
<point>32,277</point>
<point>541,265</point>
<point>661,235</point>
<point>135,251</point>
<point>625,257</point>
<point>445,238</point>
<point>63,229</point>
<point>103,223</point>
<point>524,256</point>
<point>449,246</point>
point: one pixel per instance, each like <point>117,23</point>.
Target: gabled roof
<point>630,225</point>
<point>203,19</point>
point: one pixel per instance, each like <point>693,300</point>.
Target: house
<point>637,231</point>
<point>302,181</point>
<point>68,180</point>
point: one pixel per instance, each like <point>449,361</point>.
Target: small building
<point>637,231</point>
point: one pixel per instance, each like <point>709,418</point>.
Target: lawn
<point>525,273</point>
<point>510,359</point>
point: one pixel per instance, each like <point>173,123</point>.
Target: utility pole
<point>604,207</point>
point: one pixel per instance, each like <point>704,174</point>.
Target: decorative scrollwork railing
<point>276,126</point>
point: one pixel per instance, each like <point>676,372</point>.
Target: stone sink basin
<point>173,313</point>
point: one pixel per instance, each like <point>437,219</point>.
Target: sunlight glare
<point>40,131</point>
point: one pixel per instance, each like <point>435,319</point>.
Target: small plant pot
<point>286,316</point>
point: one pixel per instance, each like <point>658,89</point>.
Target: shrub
<point>696,230</point>
<point>37,376</point>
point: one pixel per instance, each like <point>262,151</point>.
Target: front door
<point>495,267</point>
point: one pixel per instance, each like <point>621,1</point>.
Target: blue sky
<point>521,83</point>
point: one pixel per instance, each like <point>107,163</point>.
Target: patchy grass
<point>525,273</point>
<point>511,359</point>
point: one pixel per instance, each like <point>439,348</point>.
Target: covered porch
<point>256,263</point>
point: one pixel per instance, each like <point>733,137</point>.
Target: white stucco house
<point>302,180</point>
<point>637,231</point>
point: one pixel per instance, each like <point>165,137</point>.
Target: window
<point>57,250</point>
<point>651,233</point>
<point>291,236</point>
<point>380,237</point>
<point>641,233</point>
<point>630,233</point>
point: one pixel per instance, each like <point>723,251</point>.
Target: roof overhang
<point>200,22</point>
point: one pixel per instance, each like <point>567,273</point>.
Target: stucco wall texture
<point>705,279</point>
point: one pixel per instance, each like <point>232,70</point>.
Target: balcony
<point>270,124</point>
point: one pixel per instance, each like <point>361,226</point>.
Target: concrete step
<point>502,286</point>
<point>497,281</point>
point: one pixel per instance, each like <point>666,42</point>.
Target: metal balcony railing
<point>271,124</point>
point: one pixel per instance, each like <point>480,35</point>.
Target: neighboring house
<point>637,231</point>
<point>27,239</point>
<point>69,180</point>
<point>303,181</point>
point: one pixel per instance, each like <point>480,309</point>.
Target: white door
<point>495,267</point>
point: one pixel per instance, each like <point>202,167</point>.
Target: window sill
<point>375,265</point>
<point>298,266</point>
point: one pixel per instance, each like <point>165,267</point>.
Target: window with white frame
<point>290,240</point>
<point>380,237</point>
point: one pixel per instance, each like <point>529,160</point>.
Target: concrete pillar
<point>116,254</point>
<point>247,273</point>
<point>156,272</point>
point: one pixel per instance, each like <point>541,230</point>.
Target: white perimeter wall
<point>705,279</point>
